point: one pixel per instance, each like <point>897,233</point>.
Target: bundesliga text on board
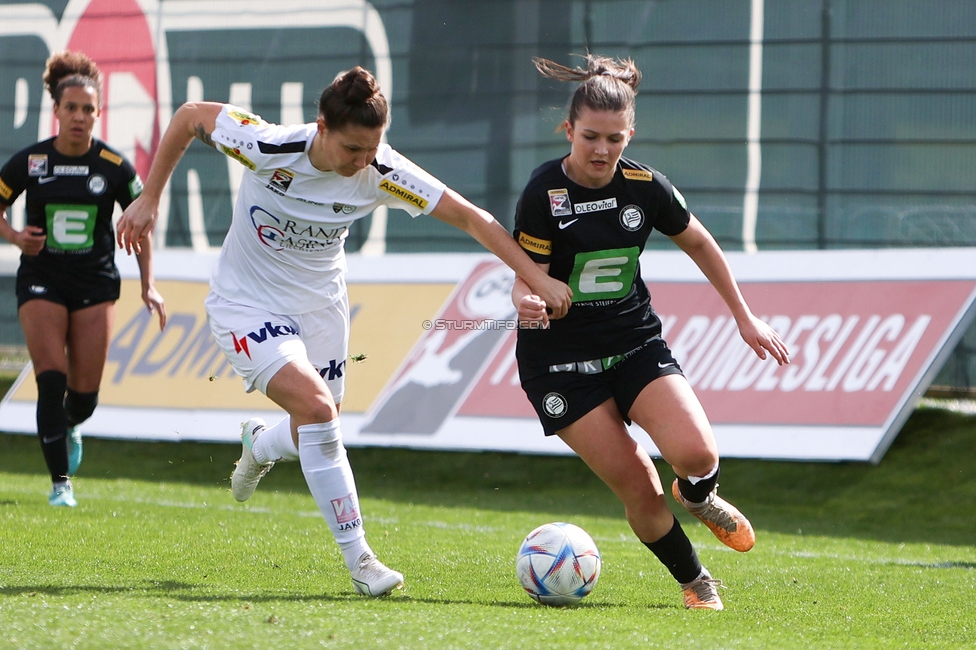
<point>854,354</point>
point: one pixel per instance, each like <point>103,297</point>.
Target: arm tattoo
<point>201,134</point>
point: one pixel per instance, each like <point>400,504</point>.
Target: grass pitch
<point>158,554</point>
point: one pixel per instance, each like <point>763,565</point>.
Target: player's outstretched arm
<point>457,211</point>
<point>153,299</point>
<point>531,308</point>
<point>701,247</point>
<point>192,120</point>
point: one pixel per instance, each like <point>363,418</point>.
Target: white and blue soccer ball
<point>558,564</point>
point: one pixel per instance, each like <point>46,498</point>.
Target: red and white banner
<point>863,347</point>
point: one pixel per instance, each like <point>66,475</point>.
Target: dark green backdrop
<point>868,131</point>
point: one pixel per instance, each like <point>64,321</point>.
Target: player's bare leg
<point>669,411</point>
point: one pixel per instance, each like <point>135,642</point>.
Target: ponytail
<point>606,84</point>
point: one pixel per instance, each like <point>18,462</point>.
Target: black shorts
<point>561,398</point>
<point>73,290</point>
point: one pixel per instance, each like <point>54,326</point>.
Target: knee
<point>697,460</point>
<point>322,410</point>
<point>313,409</point>
<point>79,406</point>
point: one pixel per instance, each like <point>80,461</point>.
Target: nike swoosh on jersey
<point>567,224</point>
<point>46,179</point>
<point>664,365</point>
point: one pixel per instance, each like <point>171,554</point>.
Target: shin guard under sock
<point>675,552</point>
<point>52,424</point>
<point>330,480</point>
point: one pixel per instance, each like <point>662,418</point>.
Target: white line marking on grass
<point>230,507</point>
<point>295,513</point>
<point>816,555</point>
<point>935,563</point>
<point>466,527</point>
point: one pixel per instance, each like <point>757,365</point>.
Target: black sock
<point>78,407</point>
<point>52,424</point>
<point>677,554</point>
<point>699,491</point>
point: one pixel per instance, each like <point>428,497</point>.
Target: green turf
<point>158,555</point>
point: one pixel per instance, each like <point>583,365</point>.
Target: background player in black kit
<point>585,219</point>
<point>67,282</point>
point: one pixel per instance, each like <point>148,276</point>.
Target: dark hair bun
<point>66,63</point>
<point>356,86</point>
<point>354,97</point>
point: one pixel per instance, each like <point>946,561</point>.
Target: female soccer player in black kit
<point>67,282</point>
<point>585,218</point>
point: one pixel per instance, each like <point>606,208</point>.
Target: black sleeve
<point>13,179</point>
<point>672,211</point>
<point>124,182</point>
<point>533,227</point>
<point>130,185</point>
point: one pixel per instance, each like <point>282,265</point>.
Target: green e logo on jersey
<point>70,227</point>
<point>603,275</point>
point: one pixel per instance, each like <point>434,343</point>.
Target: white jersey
<point>284,250</point>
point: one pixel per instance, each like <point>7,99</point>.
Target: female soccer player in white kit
<point>278,305</point>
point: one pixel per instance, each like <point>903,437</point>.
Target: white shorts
<point>258,343</point>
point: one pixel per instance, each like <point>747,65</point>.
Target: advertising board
<point>435,336</point>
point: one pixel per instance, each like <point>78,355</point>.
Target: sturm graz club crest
<point>343,208</point>
<point>554,405</point>
<point>97,184</point>
<point>632,218</point>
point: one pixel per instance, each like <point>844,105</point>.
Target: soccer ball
<point>558,564</point>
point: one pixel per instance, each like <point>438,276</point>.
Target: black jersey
<point>72,199</point>
<point>592,239</point>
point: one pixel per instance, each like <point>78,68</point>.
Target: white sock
<point>275,443</point>
<point>330,480</point>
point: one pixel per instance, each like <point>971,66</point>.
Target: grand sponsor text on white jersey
<point>284,249</point>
